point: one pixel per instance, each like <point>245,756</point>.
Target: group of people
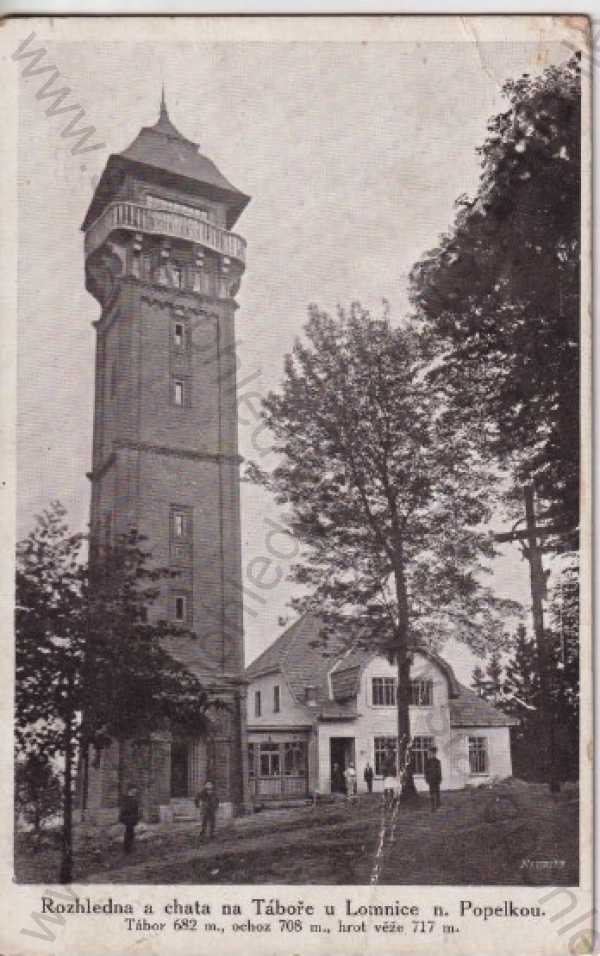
<point>344,781</point>
<point>206,801</point>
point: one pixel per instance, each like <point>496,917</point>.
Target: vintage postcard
<point>296,373</point>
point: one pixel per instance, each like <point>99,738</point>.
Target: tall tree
<point>499,297</point>
<point>387,501</point>
<point>90,659</point>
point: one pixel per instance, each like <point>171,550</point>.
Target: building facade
<point>308,712</point>
<point>164,264</point>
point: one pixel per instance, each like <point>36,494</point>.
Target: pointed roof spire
<point>163,105</point>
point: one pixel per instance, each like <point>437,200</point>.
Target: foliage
<point>87,646</point>
<point>488,683</point>
<point>499,297</point>
<point>387,501</point>
<point>92,662</point>
<point>517,685</point>
<point>38,797</point>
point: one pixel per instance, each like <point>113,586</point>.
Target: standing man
<point>433,776</point>
<point>337,779</point>
<point>130,817</point>
<point>368,775</point>
<point>208,802</point>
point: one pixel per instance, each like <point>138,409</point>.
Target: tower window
<point>181,608</point>
<point>178,335</point>
<point>178,393</point>
<point>180,533</point>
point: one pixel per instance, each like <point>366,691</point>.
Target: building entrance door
<point>341,750</point>
<point>179,768</point>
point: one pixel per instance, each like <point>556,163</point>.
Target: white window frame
<point>386,689</point>
<point>381,750</point>
<point>272,753</point>
<point>478,748</point>
<point>416,689</point>
<point>178,392</point>
<point>294,758</point>
<point>420,751</point>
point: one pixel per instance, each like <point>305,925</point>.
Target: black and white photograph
<point>302,372</point>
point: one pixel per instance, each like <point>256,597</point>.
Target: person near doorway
<point>350,777</point>
<point>368,775</point>
<point>337,779</point>
<point>208,802</point>
<point>433,777</point>
<point>130,816</point>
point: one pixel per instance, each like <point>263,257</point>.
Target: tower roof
<point>162,152</point>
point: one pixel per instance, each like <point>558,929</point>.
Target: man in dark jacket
<point>433,776</point>
<point>368,775</point>
<point>208,802</point>
<point>130,817</point>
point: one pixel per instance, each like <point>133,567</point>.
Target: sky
<point>353,154</point>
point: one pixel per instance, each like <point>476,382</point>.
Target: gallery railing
<point>161,222</point>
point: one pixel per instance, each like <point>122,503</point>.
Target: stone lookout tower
<point>165,266</point>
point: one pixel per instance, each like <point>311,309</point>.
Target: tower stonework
<point>164,265</point>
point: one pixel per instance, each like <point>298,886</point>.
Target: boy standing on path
<point>208,801</point>
<point>433,776</point>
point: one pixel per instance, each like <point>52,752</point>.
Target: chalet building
<point>307,711</point>
<point>163,263</point>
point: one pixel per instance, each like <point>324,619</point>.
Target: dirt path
<point>234,840</point>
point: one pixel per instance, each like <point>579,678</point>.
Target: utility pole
<point>531,540</point>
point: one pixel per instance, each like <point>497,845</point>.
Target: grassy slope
<point>479,836</point>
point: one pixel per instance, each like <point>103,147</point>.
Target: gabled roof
<point>163,151</point>
<point>294,655</point>
<point>302,664</point>
<point>470,710</point>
